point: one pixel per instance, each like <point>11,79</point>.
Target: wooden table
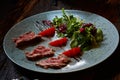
<point>107,70</point>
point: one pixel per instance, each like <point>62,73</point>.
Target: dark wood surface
<point>107,70</point>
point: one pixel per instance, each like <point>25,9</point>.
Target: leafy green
<point>86,39</point>
<point>99,35</point>
<point>70,21</point>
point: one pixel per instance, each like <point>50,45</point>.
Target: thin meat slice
<point>26,38</point>
<point>39,52</point>
<point>54,62</point>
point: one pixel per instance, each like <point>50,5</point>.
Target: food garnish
<point>59,42</point>
<point>76,51</point>
<point>82,34</point>
<point>49,32</point>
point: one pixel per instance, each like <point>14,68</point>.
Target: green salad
<point>81,34</point>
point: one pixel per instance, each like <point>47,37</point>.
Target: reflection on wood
<point>21,10</point>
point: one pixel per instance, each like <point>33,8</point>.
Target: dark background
<point>13,11</point>
<point>6,6</point>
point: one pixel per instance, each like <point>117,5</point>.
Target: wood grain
<point>21,10</point>
<point>107,70</point>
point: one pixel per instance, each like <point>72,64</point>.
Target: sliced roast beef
<point>39,52</point>
<point>54,62</point>
<point>26,38</point>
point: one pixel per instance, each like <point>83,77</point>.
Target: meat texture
<point>26,38</point>
<point>54,62</point>
<point>39,52</point>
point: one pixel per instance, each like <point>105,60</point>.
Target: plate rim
<point>54,12</point>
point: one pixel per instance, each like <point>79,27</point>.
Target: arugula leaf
<point>69,26</point>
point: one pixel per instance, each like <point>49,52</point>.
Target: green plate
<point>88,59</point>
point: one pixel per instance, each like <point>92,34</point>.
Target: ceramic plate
<point>88,59</point>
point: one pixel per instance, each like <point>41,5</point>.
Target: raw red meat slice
<point>39,52</point>
<point>54,62</point>
<point>26,38</point>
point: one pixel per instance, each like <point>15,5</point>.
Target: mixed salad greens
<point>84,35</point>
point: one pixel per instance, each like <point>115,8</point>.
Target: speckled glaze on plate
<point>88,59</point>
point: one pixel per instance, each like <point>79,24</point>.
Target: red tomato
<point>73,52</point>
<point>48,32</point>
<point>59,42</point>
<point>82,30</point>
